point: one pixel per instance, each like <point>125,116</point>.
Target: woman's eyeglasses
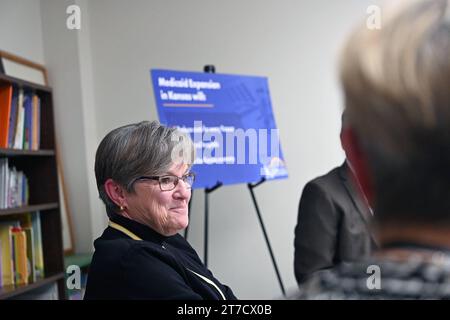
<point>168,182</point>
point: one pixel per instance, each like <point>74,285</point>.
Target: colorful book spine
<point>38,117</point>
<point>13,118</point>
<point>20,256</point>
<point>30,254</point>
<point>34,125</point>
<point>4,173</point>
<point>28,107</point>
<point>39,256</point>
<point>14,186</point>
<point>5,113</point>
<point>18,139</point>
<point>20,113</point>
<point>7,253</point>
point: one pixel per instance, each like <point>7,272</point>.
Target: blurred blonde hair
<point>396,83</point>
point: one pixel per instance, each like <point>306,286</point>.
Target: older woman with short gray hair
<point>144,178</point>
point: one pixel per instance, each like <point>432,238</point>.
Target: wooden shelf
<point>8,79</point>
<point>25,209</point>
<point>7,292</point>
<point>18,152</point>
<point>40,169</point>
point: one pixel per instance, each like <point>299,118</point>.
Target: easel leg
<point>205,241</point>
<point>205,234</point>
<point>250,187</point>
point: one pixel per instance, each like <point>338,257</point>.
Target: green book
<point>38,251</point>
<point>30,255</point>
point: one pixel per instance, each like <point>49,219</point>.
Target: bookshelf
<point>40,168</point>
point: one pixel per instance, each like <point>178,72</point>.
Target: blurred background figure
<point>396,83</point>
<point>333,220</point>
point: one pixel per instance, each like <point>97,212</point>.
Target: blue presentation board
<point>230,120</point>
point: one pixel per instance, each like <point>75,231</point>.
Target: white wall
<point>67,55</point>
<point>20,29</point>
<point>101,80</point>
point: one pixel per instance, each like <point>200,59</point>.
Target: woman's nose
<point>182,190</point>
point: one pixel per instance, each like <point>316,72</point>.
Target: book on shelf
<point>13,118</point>
<point>37,241</point>
<point>20,256</point>
<point>36,120</point>
<point>18,138</point>
<point>30,254</point>
<point>5,113</point>
<point>21,248</point>
<point>28,109</point>
<point>19,118</point>
<point>31,223</point>
<point>14,186</point>
<point>3,182</point>
<point>7,251</point>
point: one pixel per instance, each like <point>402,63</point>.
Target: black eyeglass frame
<point>159,178</point>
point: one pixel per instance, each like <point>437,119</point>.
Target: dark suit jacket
<point>157,267</point>
<point>333,224</point>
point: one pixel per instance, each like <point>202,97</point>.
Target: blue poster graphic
<point>230,120</point>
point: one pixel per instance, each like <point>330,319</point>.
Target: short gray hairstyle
<point>139,149</point>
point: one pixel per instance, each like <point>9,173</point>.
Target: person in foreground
<point>333,223</point>
<point>143,177</point>
<point>396,82</point>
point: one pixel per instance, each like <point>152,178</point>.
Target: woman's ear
<point>358,160</point>
<point>116,193</point>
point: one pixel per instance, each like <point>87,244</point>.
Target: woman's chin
<point>184,223</point>
<point>181,224</point>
